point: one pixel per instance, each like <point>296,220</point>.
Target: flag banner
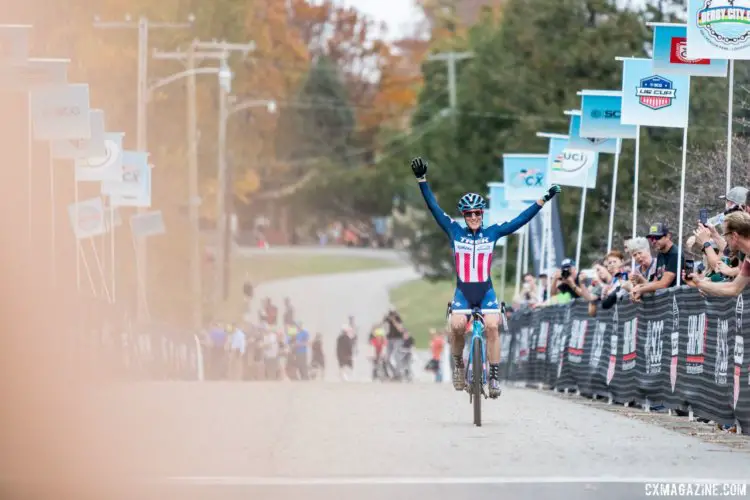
<point>596,144</point>
<point>670,54</point>
<point>33,73</point>
<point>147,224</point>
<point>718,29</point>
<point>14,42</point>
<point>676,349</point>
<point>87,218</point>
<point>107,167</point>
<point>71,149</point>
<point>536,227</point>
<point>569,167</point>
<point>601,115</point>
<point>133,189</point>
<point>61,112</point>
<point>526,176</point>
<point>651,99</point>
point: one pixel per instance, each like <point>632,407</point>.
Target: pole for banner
<point>550,261</point>
<point>581,216</point>
<point>78,245</point>
<point>112,250</point>
<point>526,249</point>
<point>544,247</point>
<point>611,229</point>
<point>682,201</point>
<point>505,269</point>
<point>730,119</point>
<point>142,302</point>
<point>29,174</point>
<point>519,258</point>
<point>635,178</point>
<point>88,269</point>
<point>101,269</point>
<point>53,217</point>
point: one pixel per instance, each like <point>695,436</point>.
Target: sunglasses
<point>472,213</point>
<point>654,238</point>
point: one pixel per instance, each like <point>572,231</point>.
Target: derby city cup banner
<point>106,167</point>
<point>718,29</point>
<point>569,167</point>
<point>133,188</point>
<point>526,176</point>
<point>651,99</point>
<point>33,73</point>
<point>71,149</point>
<point>670,54</point>
<point>596,144</point>
<point>87,218</point>
<point>14,42</point>
<point>601,115</point>
<point>61,112</point>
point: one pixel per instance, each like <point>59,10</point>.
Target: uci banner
<point>133,187</point>
<point>526,176</point>
<point>670,54</point>
<point>596,144</point>
<point>651,99</point>
<point>571,167</point>
<point>601,115</point>
<point>718,29</point>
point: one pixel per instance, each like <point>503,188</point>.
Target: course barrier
<point>675,348</point>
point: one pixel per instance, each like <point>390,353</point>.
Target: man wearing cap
<point>735,199</point>
<point>660,238</point>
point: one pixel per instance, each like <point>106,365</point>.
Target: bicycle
<point>476,367</point>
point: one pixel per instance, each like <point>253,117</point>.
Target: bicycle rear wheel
<point>476,375</point>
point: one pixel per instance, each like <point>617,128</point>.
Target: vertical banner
<point>596,144</point>
<point>72,149</point>
<point>570,167</point>
<point>671,54</point>
<point>601,115</point>
<point>133,189</point>
<point>106,167</point>
<point>525,175</point>
<point>651,99</point>
<point>61,112</point>
<point>718,29</point>
<point>34,73</point>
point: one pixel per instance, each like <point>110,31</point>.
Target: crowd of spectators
<point>711,261</point>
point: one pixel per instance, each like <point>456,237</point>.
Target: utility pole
<point>199,51</point>
<point>144,27</point>
<point>450,58</point>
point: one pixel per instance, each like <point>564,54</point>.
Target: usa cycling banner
<point>596,144</point>
<point>676,349</point>
<point>652,99</point>
<point>718,29</point>
<point>526,176</point>
<point>571,167</point>
<point>601,115</point>
<point>670,54</point>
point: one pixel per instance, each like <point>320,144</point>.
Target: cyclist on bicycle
<point>472,251</point>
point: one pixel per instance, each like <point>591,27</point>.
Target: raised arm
<point>419,166</point>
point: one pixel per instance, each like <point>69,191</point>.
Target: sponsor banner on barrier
<point>676,349</point>
<point>601,115</point>
<point>671,55</point>
<point>87,218</point>
<point>133,189</point>
<point>526,176</point>
<point>72,149</point>
<point>718,29</point>
<point>107,167</point>
<point>61,112</point>
<point>147,224</point>
<point>14,42</point>
<point>571,167</point>
<point>651,99</point>
<point>596,144</point>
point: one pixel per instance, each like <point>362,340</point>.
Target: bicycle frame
<point>477,331</point>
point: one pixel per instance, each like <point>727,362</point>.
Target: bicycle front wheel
<point>476,375</point>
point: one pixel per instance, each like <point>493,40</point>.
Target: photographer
<point>566,281</point>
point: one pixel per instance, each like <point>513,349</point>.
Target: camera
<point>565,273</point>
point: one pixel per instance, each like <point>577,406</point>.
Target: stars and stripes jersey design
<point>472,252</point>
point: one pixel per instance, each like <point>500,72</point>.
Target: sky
<point>399,15</point>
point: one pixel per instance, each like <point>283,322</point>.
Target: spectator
<point>268,313</point>
<point>437,345</point>
<point>737,235</point>
<point>702,246</point>
<point>395,338</point>
<point>566,281</point>
<point>527,297</point>
<point>405,356</point>
<point>318,363</point>
<point>271,354</point>
<point>614,262</point>
<point>288,312</point>
<point>735,199</point>
<point>345,353</point>
<point>290,341</point>
<point>378,343</point>
<point>645,265</point>
<point>598,287</point>
<point>301,346</point>
<point>665,275</point>
<point>542,288</point>
<point>237,346</point>
<point>217,351</point>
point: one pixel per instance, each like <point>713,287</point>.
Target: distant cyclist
<point>472,251</point>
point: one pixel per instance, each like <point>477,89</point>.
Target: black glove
<point>555,189</point>
<point>419,167</point>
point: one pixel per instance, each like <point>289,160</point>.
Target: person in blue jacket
<point>472,248</point>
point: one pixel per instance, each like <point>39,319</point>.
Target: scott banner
<point>651,99</point>
<point>61,112</point>
<point>718,29</point>
<point>601,115</point>
<point>571,167</point>
<point>671,54</point>
<point>596,144</point>
<point>526,176</point>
